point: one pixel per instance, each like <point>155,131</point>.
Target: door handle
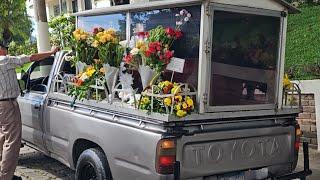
<point>37,106</point>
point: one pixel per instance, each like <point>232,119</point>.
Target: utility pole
<point>40,14</point>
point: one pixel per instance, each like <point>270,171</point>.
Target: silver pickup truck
<point>248,135</point>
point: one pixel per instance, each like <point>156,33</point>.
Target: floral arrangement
<point>169,99</point>
<point>85,52</point>
<point>107,43</point>
<point>152,50</point>
<point>85,79</point>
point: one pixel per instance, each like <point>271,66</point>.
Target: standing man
<point>10,118</point>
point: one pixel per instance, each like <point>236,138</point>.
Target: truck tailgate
<point>210,153</point>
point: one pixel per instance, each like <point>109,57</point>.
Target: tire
<point>92,165</point>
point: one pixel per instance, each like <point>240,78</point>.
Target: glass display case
<point>233,52</point>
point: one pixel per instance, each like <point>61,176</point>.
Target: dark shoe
<point>16,178</point>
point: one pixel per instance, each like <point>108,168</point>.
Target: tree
<point>14,21</point>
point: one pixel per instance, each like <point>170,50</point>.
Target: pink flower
<point>128,58</point>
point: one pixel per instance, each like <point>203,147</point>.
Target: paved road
<point>35,166</point>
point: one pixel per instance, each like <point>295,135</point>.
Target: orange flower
<point>78,82</point>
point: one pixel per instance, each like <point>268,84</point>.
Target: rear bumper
<point>301,174</point>
<point>306,169</point>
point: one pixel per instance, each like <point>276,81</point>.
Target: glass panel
<point>75,6</point>
<point>244,59</point>
<point>116,21</point>
<point>186,48</point>
<point>87,4</point>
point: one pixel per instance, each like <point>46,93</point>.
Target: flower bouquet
<point>152,51</point>
<point>168,98</point>
<point>110,52</point>
<point>84,51</point>
<point>84,81</point>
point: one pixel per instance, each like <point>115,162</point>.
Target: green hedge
<point>303,44</point>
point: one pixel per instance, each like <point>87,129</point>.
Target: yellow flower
<point>189,102</point>
<point>184,105</point>
<point>77,37</point>
<point>286,82</point>
<point>178,107</point>
<point>181,113</point>
<point>91,72</point>
<point>175,90</point>
<point>178,98</point>
<point>167,101</point>
<point>95,43</point>
<point>103,70</point>
<point>111,31</point>
<point>140,43</point>
<point>145,100</point>
<point>83,36</point>
<point>167,83</point>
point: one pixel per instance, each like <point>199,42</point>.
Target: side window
<point>39,75</point>
<point>244,59</point>
<point>116,21</point>
<point>186,48</point>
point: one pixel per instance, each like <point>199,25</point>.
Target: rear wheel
<point>92,165</point>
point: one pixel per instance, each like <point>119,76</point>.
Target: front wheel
<point>92,165</point>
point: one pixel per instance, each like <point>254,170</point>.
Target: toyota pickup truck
<point>246,134</point>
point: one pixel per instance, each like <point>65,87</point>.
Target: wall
<point>307,120</point>
<point>311,88</point>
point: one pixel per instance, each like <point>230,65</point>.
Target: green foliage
<point>13,15</point>
<point>61,28</point>
<point>26,48</point>
<point>303,44</point>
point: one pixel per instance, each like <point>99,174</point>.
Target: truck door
<point>35,83</point>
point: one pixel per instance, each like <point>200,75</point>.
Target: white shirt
<point>9,87</point>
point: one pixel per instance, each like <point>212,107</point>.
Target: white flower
<point>181,12</point>
<point>177,15</point>
<point>189,15</point>
<point>84,77</point>
<point>123,43</point>
<point>134,51</point>
<point>186,19</point>
<point>179,23</point>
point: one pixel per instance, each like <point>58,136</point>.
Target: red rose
<point>147,53</point>
<point>170,32</point>
<point>161,57</point>
<point>168,54</point>
<point>178,34</point>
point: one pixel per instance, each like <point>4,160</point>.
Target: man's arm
<point>41,56</point>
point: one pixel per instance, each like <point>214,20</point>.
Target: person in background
<point>10,118</point>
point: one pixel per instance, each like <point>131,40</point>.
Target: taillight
<point>298,135</point>
<point>166,156</point>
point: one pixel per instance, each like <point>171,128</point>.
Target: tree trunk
<point>40,13</point>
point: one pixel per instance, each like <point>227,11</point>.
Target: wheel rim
<point>87,172</point>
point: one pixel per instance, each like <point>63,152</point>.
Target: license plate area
<point>232,176</point>
<point>210,154</point>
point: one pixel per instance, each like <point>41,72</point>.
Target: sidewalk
<point>314,163</point>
